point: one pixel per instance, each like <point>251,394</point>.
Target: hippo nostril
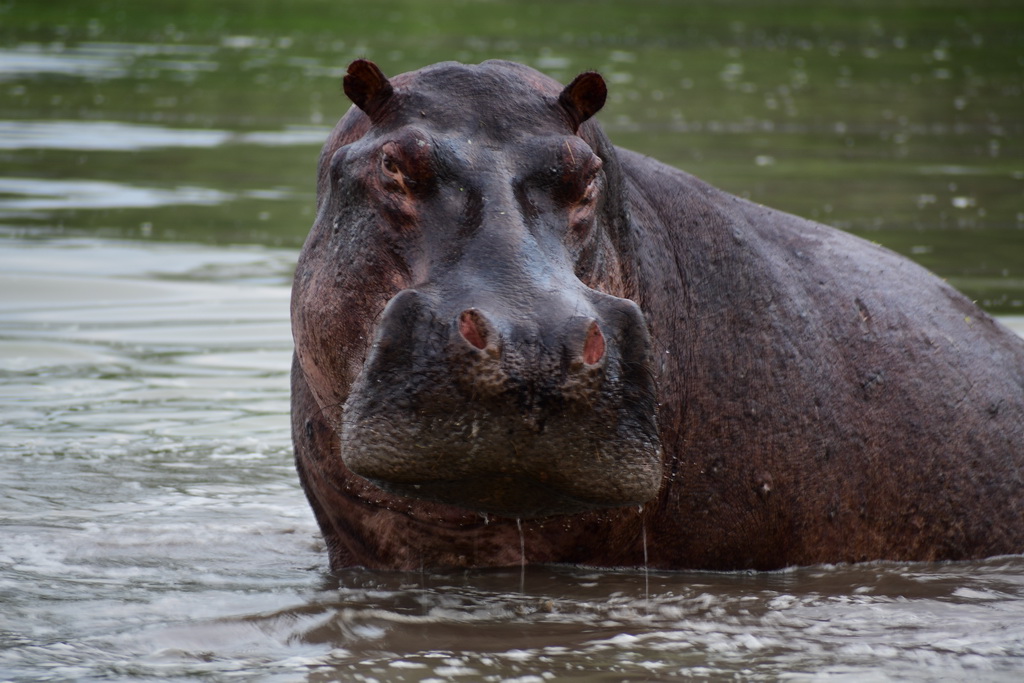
<point>593,346</point>
<point>473,328</point>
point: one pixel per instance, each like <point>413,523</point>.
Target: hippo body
<point>516,342</point>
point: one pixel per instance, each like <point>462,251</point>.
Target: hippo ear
<point>584,97</point>
<point>368,87</point>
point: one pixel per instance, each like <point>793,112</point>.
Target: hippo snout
<point>548,410</point>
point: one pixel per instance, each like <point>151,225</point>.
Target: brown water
<point>155,183</point>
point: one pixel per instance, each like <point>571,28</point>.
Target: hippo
<point>518,343</point>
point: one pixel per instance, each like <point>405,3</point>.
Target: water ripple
<point>118,136</point>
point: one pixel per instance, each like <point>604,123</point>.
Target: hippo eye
<point>391,162</point>
<point>588,184</point>
<point>583,202</point>
<point>575,185</point>
<point>389,165</point>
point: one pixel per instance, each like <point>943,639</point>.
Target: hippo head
<point>458,309</point>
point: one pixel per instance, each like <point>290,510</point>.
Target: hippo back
<point>829,400</point>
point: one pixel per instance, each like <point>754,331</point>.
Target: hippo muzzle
<point>524,413</point>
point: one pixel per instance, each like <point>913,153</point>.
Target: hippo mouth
<point>514,496</point>
<point>497,469</point>
<point>468,407</point>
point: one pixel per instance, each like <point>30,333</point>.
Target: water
<point>152,524</point>
<point>155,184</point>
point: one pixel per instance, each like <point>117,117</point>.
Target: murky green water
<point>156,165</point>
<point>901,121</point>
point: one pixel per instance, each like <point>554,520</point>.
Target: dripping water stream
<point>647,569</point>
<point>522,556</point>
